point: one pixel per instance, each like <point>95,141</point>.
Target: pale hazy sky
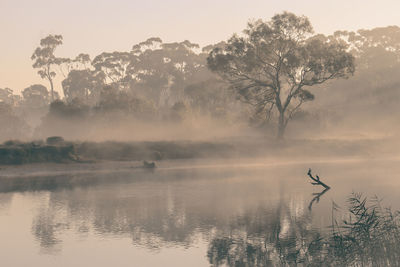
<point>93,26</point>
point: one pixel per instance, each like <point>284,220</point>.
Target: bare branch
<point>294,110</point>
<point>317,180</point>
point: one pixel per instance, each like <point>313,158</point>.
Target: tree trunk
<point>281,126</point>
<point>52,89</point>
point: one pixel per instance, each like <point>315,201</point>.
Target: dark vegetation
<point>55,149</point>
<point>14,152</point>
<point>368,236</point>
<point>261,78</point>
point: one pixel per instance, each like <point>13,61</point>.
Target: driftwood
<point>317,180</point>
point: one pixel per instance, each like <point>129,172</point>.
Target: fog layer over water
<point>233,129</point>
<point>179,214</point>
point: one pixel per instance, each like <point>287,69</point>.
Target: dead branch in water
<point>317,180</point>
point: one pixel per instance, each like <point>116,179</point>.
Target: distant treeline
<point>166,82</point>
<point>155,81</point>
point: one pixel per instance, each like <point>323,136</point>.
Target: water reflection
<point>245,218</point>
<point>317,197</point>
<point>45,228</point>
<point>369,236</point>
<point>276,237</point>
<point>153,212</point>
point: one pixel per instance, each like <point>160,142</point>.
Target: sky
<point>94,26</point>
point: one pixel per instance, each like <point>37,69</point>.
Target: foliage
<point>73,109</point>
<point>272,67</point>
<point>36,96</point>
<point>274,63</point>
<point>154,70</point>
<point>376,82</point>
<point>114,67</point>
<point>164,69</point>
<point>44,59</point>
<point>7,96</point>
<point>84,85</point>
<point>114,101</point>
<point>369,237</point>
<point>19,153</point>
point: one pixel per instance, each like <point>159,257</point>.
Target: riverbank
<point>17,153</point>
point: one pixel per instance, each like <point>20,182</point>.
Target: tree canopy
<point>273,67</point>
<point>44,59</point>
<point>274,63</point>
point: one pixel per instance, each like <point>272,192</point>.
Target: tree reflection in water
<point>273,239</point>
<point>370,236</point>
<point>317,197</point>
<point>244,223</point>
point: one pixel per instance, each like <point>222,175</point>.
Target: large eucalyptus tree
<point>45,60</point>
<point>274,63</point>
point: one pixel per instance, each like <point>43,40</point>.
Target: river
<point>184,213</point>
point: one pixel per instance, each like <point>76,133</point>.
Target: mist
<point>187,148</point>
<point>164,91</point>
<point>169,92</point>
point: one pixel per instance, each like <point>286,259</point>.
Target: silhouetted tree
<point>376,82</point>
<point>274,63</point>
<point>83,59</point>
<point>154,70</point>
<point>66,65</point>
<point>114,67</point>
<point>7,96</point>
<point>36,95</point>
<point>73,109</point>
<point>84,84</point>
<point>161,71</point>
<point>112,100</point>
<point>44,59</point>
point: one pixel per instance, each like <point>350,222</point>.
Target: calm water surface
<point>182,214</point>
